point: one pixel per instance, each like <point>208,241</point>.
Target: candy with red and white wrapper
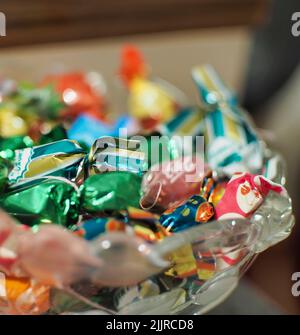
<point>244,193</point>
<point>173,182</point>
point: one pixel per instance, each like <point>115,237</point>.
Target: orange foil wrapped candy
<point>79,94</point>
<point>23,296</point>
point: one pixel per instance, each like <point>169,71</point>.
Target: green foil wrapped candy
<point>43,200</point>
<point>5,167</point>
<point>111,191</point>
<point>61,158</point>
<point>10,144</point>
<point>42,101</point>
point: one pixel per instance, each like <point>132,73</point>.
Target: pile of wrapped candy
<point>71,173</point>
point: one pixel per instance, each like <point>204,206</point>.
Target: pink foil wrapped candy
<point>172,182</point>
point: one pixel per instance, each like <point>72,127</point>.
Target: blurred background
<point>249,42</point>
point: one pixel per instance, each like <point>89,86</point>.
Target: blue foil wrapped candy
<point>196,210</point>
<point>87,129</point>
<point>94,227</point>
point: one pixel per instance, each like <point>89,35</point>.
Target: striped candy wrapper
<point>231,141</point>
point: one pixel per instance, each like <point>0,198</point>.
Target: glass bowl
<point>223,250</point>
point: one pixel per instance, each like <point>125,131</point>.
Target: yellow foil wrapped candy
<point>148,101</point>
<point>11,124</point>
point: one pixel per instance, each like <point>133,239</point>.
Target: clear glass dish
<point>239,240</point>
